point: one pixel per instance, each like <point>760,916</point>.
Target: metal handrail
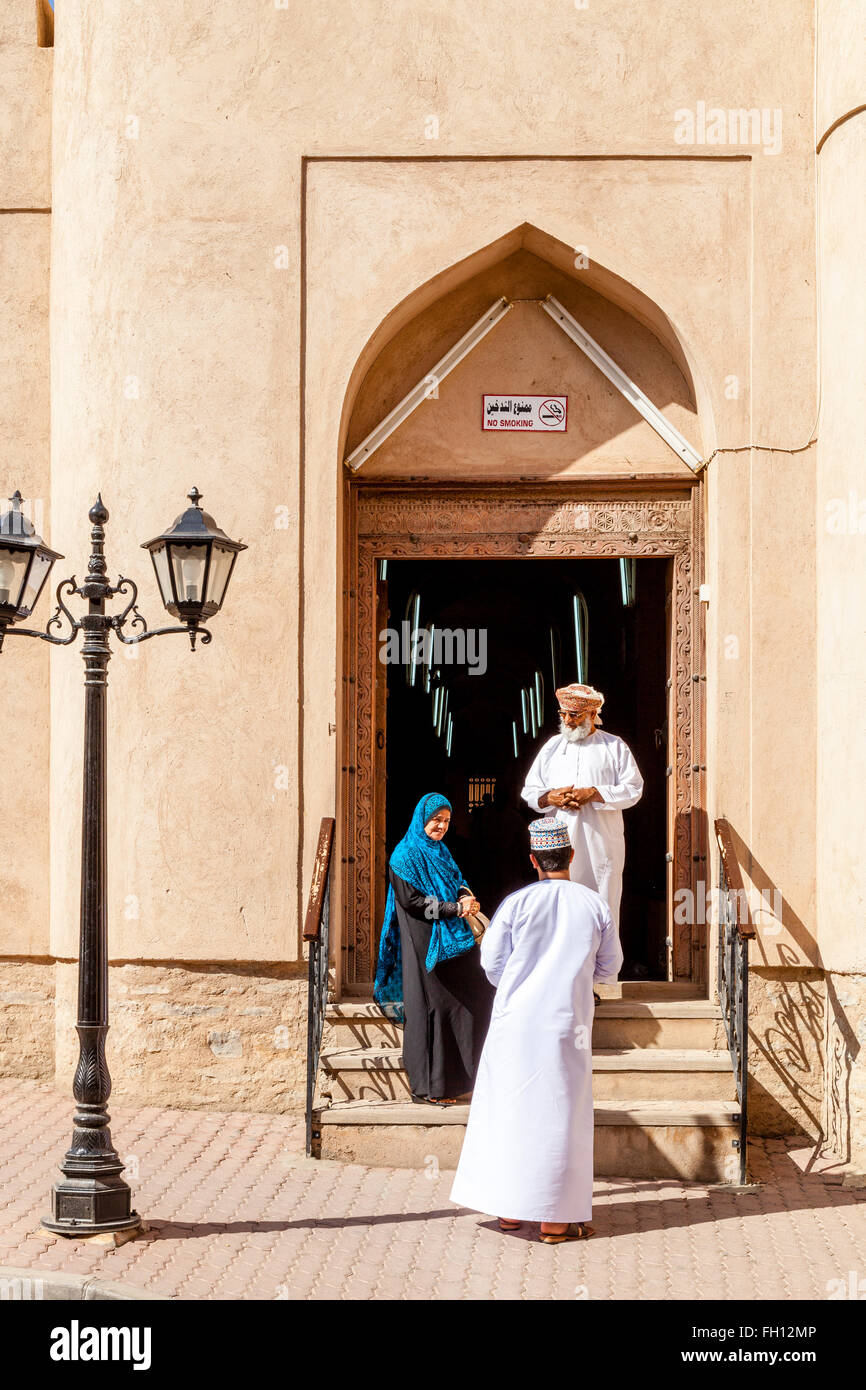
<point>317,925</point>
<point>736,930</point>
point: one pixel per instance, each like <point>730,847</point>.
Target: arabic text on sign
<point>543,414</point>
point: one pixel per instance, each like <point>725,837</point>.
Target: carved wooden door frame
<point>578,520</point>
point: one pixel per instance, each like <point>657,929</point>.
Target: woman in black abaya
<point>429,960</point>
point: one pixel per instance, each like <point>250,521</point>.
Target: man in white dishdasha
<point>528,1151</point>
<point>586,778</point>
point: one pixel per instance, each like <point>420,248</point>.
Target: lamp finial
<point>98,513</point>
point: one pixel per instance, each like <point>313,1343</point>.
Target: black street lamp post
<point>193,562</point>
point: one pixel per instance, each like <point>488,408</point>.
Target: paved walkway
<point>236,1210</point>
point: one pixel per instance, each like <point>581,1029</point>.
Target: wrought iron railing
<point>317,925</point>
<point>735,933</point>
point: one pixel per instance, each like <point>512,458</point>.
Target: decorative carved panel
<point>511,523</point>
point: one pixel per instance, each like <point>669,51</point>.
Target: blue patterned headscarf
<point>429,866</point>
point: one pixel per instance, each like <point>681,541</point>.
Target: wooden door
<point>670,768</point>
<point>402,522</point>
<point>380,766</point>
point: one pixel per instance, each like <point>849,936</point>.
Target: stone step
<point>652,1073</point>
<point>684,1139</point>
<point>657,990</point>
<point>620,989</point>
<point>359,1023</point>
<point>666,1023</point>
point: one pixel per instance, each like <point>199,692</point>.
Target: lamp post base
<point>90,1206</point>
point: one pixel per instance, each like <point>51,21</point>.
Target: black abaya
<point>447,1009</point>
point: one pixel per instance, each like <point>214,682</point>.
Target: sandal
<point>442,1100</point>
<point>506,1225</point>
<point>575,1230</point>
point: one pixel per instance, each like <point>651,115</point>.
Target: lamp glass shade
<point>221,562</point>
<point>163,574</point>
<point>13,573</point>
<point>189,565</point>
<point>39,572</point>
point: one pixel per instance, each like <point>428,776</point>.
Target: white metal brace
<point>623,383</point>
<point>430,383</point>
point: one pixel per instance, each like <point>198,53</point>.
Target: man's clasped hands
<point>571,798</point>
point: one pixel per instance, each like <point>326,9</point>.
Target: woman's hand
<point>469,907</point>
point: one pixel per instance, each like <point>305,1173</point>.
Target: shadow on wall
<point>843,1049</point>
<point>782,911</point>
<point>786,1019</point>
<point>786,1035</point>
<point>805,1054</point>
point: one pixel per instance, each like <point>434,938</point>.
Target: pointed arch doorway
<point>525,526</point>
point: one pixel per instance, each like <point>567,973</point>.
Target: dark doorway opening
<point>469,723</point>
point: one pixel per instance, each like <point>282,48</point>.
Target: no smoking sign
<point>547,414</point>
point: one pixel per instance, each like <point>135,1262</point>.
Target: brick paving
<point>236,1211</point>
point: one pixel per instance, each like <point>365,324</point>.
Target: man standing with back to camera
<point>528,1151</point>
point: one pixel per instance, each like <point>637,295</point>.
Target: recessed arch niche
<point>439,487</point>
<point>606,434</point>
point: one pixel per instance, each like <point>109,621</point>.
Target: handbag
<point>478,924</point>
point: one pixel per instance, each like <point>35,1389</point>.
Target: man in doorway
<point>586,778</point>
<point>527,1155</point>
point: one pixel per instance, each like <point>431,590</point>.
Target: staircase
<point>663,1087</point>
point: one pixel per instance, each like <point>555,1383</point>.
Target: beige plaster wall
<point>840,41</point>
<point>764,599</point>
<point>172,364</point>
<point>25,130</point>
<point>783,625</point>
<point>840,529</point>
<point>212,301</point>
<point>25,119</point>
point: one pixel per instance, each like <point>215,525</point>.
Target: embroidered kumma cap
<point>548,834</point>
<point>579,699</point>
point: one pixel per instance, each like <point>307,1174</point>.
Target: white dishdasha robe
<point>596,832</point>
<point>528,1147</point>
